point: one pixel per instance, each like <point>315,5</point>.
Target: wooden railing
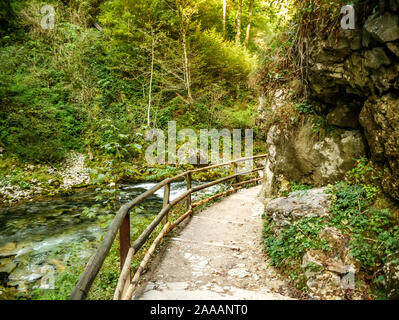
<point>121,222</point>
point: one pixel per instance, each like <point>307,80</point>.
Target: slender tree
<point>151,78</point>
<point>186,10</point>
<point>224,17</point>
<point>239,13</point>
<point>251,7</point>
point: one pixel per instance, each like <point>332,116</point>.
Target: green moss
<point>294,186</point>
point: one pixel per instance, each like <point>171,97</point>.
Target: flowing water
<point>37,238</point>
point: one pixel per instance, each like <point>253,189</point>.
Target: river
<point>38,237</point>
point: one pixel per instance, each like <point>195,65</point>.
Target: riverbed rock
<point>74,171</point>
<point>391,270</point>
<point>30,274</point>
<point>7,265</point>
<point>3,280</point>
<point>8,250</point>
<point>58,264</point>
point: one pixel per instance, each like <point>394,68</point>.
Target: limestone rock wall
<point>353,79</point>
<point>297,154</point>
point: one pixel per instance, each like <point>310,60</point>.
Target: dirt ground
<point>217,255</point>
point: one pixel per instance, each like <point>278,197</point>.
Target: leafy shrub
<point>294,186</point>
<point>238,118</point>
<point>367,175</point>
<point>287,249</point>
<point>223,59</point>
<point>375,233</point>
<point>304,108</point>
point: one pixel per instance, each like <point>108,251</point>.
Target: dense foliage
<point>121,62</point>
<point>112,68</point>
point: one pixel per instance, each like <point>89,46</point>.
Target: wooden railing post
<point>166,196</point>
<point>188,180</point>
<point>235,166</point>
<point>124,238</point>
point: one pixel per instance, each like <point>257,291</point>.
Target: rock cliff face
<point>297,154</point>
<point>353,80</point>
<point>354,77</point>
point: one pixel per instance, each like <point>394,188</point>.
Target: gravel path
<point>217,255</point>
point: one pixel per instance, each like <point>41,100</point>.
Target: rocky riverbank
<point>41,181</point>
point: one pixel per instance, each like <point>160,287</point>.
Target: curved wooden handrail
<point>94,265</point>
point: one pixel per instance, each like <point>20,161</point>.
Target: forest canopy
<point>129,63</point>
<point>123,65</point>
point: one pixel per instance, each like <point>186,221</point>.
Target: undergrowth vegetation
<point>287,249</point>
<point>65,89</point>
<point>374,234</point>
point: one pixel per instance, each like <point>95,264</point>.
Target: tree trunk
<point>187,75</point>
<point>151,77</point>
<point>251,7</point>
<point>238,36</point>
<point>224,17</point>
